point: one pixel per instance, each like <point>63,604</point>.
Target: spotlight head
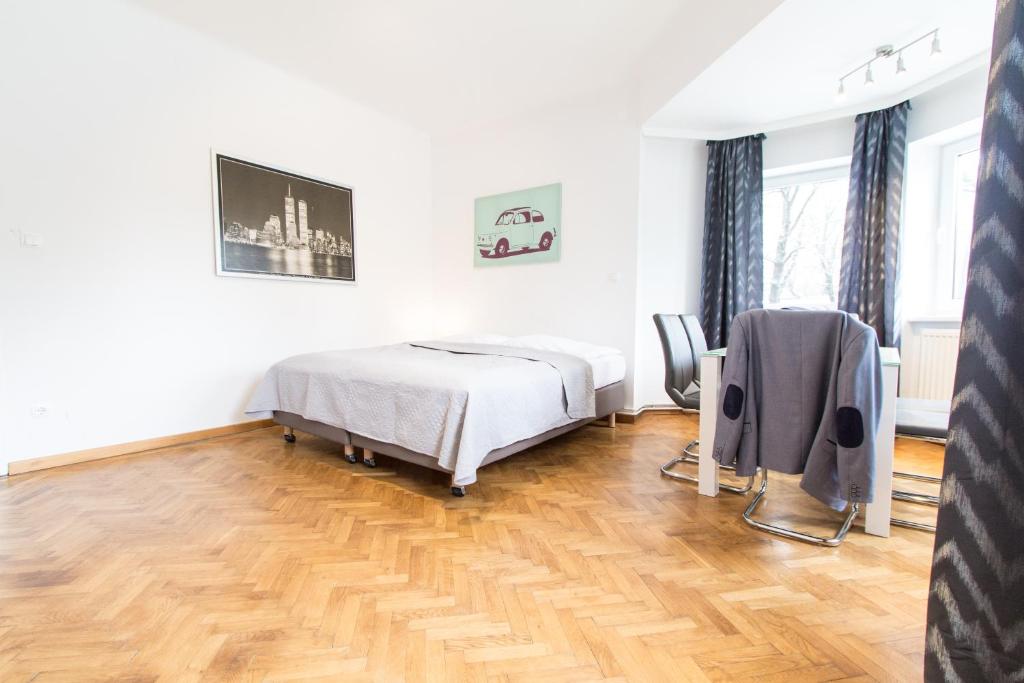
<point>936,45</point>
<point>869,77</point>
<point>900,66</point>
<point>841,93</point>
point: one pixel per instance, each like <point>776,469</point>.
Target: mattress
<point>608,363</point>
<point>608,369</point>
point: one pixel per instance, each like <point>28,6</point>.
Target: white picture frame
<point>310,239</point>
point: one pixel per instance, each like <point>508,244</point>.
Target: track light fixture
<point>886,52</point>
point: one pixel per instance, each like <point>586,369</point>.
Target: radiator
<point>936,363</point>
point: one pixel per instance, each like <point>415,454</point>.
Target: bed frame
<point>607,399</point>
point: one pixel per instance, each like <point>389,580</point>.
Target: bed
<point>453,405</point>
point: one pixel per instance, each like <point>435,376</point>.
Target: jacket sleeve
<point>732,398</point>
<point>858,410</point>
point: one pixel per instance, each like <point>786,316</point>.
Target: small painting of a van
<point>516,231</point>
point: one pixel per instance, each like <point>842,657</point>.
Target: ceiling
<point>442,64</point>
<point>785,71</point>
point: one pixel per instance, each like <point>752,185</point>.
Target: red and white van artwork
<point>520,230</point>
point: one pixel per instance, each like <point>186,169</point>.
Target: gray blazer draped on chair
<point>802,393</point>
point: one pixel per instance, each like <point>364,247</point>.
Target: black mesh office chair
<point>683,343</point>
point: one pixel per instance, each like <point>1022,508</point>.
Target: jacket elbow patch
<point>733,402</point>
<point>849,427</point>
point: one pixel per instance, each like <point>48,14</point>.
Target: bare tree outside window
<point>803,236</point>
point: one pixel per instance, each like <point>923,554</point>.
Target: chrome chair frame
<point>682,372</point>
<point>907,432</point>
<point>689,457</point>
<point>832,542</point>
<point>916,498</point>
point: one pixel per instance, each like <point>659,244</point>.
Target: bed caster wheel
<point>351,459</point>
<point>458,491</point>
<point>369,462</point>
<point>290,438</point>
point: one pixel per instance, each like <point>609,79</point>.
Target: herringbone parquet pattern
<point>245,558</point>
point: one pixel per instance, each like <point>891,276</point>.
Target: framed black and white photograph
<point>272,223</point>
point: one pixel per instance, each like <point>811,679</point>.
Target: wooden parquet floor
<point>244,558</point>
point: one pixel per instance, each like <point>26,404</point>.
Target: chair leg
<point>918,477</point>
<point>916,498</point>
<point>912,525</point>
<point>457,491</point>
<point>691,457</point>
<point>919,498</point>
<point>832,542</point>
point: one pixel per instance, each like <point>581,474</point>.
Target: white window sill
<point>923,319</point>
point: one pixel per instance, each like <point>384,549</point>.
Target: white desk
<point>876,518</point>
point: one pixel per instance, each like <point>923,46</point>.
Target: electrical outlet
<point>40,411</point>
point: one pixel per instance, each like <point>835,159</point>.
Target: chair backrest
<point>675,346</point>
<point>698,342</point>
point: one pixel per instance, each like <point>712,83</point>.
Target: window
<point>959,185</point>
<point>538,217</point>
<point>522,217</point>
<point>504,219</point>
<point>804,216</point>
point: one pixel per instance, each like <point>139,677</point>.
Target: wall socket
<point>39,411</point>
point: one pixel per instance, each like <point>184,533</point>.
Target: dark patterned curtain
<point>733,263</point>
<point>870,264</point>
<point>976,604</point>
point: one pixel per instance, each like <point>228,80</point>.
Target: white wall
<point>672,178</point>
<point>960,102</point>
<point>828,143</point>
<point>593,150</point>
<point>117,322</point>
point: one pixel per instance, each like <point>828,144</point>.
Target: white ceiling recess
<point>785,71</point>
<point>444,64</point>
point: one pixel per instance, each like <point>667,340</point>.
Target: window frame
<point>773,181</point>
<point>945,248</point>
<point>779,179</point>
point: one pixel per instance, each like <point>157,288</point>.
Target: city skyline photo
<point>280,224</point>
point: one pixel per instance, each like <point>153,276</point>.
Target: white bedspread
<point>455,406</point>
